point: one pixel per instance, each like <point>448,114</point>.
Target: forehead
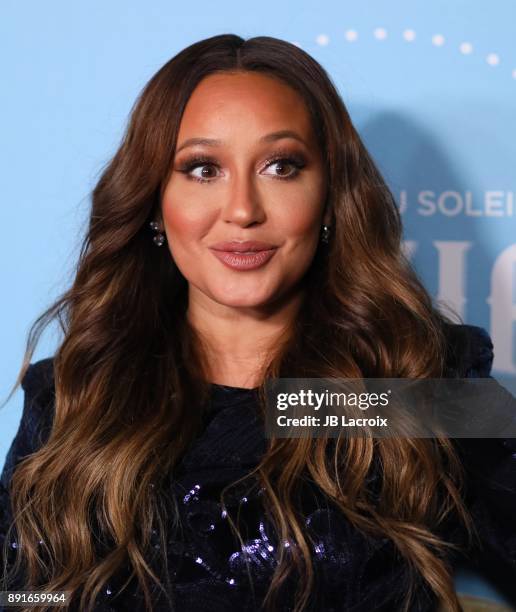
<point>225,102</point>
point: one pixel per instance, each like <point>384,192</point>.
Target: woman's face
<point>247,181</point>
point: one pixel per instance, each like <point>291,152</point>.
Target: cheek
<point>302,207</point>
<point>183,219</point>
<point>300,219</point>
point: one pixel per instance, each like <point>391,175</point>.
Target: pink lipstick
<point>246,255</point>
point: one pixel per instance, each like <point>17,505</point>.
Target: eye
<point>206,166</point>
<point>288,166</point>
<point>206,172</point>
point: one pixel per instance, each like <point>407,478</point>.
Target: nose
<point>244,205</point>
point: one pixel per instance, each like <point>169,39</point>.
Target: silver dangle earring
<point>325,234</point>
<point>159,238</point>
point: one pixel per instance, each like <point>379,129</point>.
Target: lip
<point>235,246</point>
<point>244,261</point>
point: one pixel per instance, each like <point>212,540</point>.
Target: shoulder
<point>37,415</point>
<point>469,351</point>
<point>33,430</point>
<point>39,377</point>
<point>38,385</point>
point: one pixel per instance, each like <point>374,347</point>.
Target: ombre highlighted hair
<point>129,365</point>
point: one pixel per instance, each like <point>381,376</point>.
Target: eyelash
<point>202,160</point>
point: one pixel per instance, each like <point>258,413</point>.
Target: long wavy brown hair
<point>129,364</point>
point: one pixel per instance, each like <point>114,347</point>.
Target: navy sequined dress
<point>354,572</point>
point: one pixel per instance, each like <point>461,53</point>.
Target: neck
<point>239,342</point>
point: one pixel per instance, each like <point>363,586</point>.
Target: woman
<point>150,483</point>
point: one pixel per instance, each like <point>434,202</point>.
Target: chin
<point>241,299</point>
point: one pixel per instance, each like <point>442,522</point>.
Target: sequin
<point>209,563</point>
<point>192,495</point>
<point>257,552</point>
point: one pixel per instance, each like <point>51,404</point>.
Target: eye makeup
<point>296,160</point>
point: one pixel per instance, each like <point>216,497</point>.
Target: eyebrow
<point>214,142</point>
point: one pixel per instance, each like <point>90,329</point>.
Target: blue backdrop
<point>431,87</point>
